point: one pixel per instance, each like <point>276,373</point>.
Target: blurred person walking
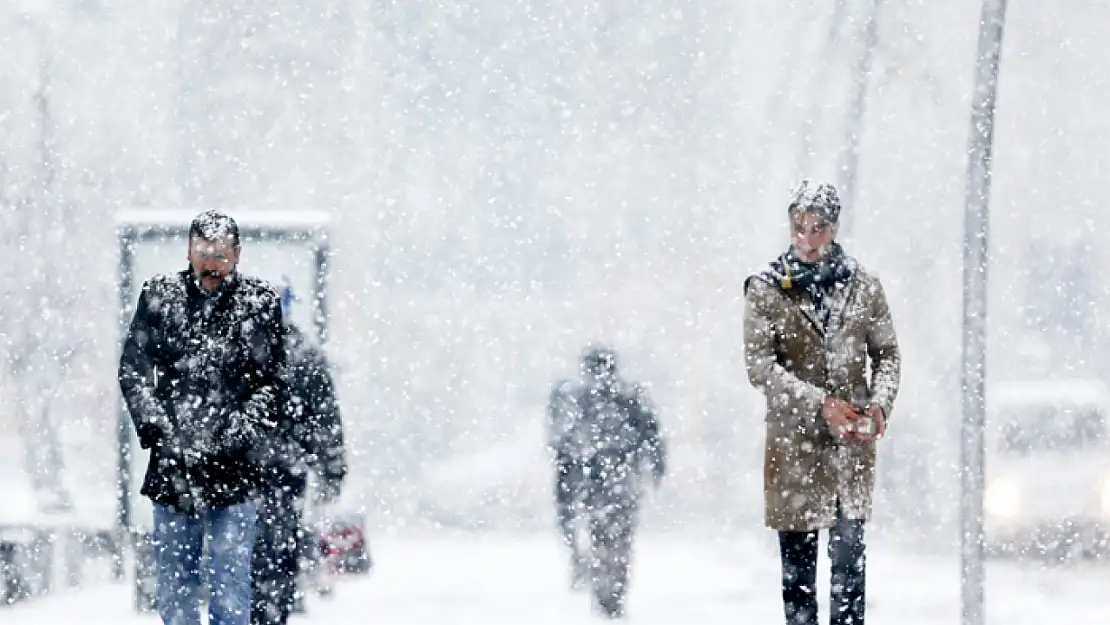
<point>313,443</point>
<point>614,438</point>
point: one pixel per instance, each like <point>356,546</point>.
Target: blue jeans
<point>178,544</point>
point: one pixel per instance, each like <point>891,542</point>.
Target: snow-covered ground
<point>500,579</point>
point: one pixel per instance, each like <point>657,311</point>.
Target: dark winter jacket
<point>314,440</point>
<point>202,376</point>
<point>614,433</point>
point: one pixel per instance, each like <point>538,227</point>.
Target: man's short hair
<point>213,225</point>
<point>599,360</point>
<point>815,197</point>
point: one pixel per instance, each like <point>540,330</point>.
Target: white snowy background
<point>511,180</point>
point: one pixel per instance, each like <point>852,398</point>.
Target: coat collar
<point>837,301</point>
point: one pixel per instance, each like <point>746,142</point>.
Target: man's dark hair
<point>600,360</point>
<point>817,197</point>
<point>213,225</point>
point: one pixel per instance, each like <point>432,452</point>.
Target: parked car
<point>1048,468</point>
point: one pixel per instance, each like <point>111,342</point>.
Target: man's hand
<point>840,415</point>
<point>877,416</point>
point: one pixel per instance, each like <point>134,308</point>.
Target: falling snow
<point>453,199</point>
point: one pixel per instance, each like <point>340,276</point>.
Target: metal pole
<point>319,297</point>
<point>124,525</point>
<point>975,312</point>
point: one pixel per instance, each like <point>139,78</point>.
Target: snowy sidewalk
<point>489,581</point>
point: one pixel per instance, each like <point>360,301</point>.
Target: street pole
<point>981,141</point>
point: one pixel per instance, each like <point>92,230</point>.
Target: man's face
<point>600,376</point>
<point>811,235</point>
<point>212,261</point>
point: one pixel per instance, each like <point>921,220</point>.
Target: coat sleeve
<point>324,436</point>
<point>561,409</point>
<point>651,446</point>
<point>765,372</point>
<point>136,376</point>
<point>882,350</point>
<point>257,418</point>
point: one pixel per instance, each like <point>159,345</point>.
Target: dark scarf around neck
<point>792,274</point>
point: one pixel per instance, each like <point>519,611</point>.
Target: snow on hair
<point>815,196</point>
<point>212,225</point>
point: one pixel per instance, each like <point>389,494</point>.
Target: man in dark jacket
<point>615,437</point>
<point>202,374</point>
<point>314,442</point>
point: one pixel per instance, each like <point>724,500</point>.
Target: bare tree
<point>41,340</point>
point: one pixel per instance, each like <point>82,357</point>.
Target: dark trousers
<point>275,562</point>
<point>798,551</point>
<point>612,504</point>
<point>612,528</point>
<point>566,487</point>
<point>568,502</point>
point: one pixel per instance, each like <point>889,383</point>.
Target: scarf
<point>817,278</point>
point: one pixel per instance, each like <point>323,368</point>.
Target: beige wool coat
<point>796,363</point>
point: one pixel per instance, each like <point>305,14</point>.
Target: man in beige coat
<point>820,344</point>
